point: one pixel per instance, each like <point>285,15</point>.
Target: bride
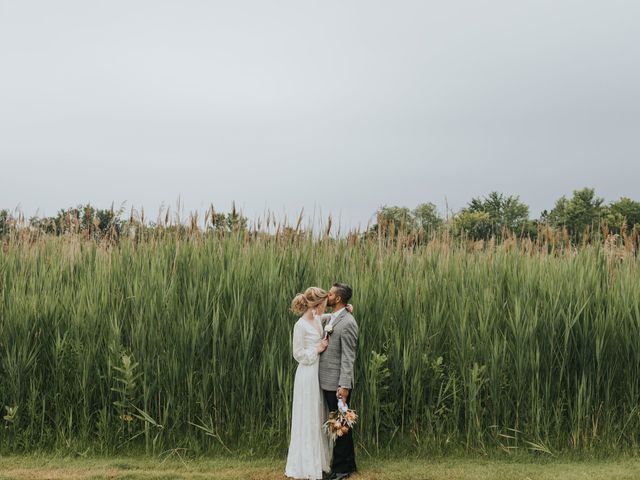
<point>309,453</point>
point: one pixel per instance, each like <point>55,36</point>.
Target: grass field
<point>153,343</point>
<point>171,467</point>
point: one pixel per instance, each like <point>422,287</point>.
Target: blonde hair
<point>311,298</point>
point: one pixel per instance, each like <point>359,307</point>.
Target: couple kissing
<point>324,345</point>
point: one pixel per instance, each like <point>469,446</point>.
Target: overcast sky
<point>336,106</point>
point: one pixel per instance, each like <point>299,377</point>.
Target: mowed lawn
<point>172,467</point>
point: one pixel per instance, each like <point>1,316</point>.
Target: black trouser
<point>344,455</point>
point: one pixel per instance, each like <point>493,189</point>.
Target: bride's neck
<point>308,315</point>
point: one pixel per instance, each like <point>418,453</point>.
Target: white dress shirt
<point>334,315</point>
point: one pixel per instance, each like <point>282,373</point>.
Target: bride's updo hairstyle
<point>311,298</point>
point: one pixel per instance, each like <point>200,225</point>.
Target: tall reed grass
<point>184,341</point>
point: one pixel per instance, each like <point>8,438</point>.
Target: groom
<point>336,373</point>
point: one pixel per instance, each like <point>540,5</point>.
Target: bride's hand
<point>322,346</point>
<point>349,308</point>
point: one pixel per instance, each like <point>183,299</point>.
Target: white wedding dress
<point>309,453</point>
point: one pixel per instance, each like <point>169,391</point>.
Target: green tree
<point>579,215</point>
<point>393,219</point>
<point>623,212</point>
<point>426,218</point>
<point>493,215</point>
<point>219,222</point>
<point>5,218</point>
<point>473,224</point>
<point>83,219</point>
<point>45,225</point>
<point>105,219</point>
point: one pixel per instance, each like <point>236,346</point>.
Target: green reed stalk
<point>505,346</point>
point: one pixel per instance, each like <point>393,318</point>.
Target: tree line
<point>497,215</point>
<point>578,218</point>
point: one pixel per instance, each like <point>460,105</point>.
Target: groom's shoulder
<point>349,318</point>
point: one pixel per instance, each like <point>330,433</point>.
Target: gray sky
<point>336,106</point>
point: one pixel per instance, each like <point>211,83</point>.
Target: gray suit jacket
<point>338,360</point>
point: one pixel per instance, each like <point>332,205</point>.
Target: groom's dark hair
<point>344,291</point>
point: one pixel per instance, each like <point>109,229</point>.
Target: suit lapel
<point>339,318</point>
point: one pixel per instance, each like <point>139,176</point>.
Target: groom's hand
<point>343,393</point>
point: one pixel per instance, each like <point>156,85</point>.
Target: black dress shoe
<point>340,476</point>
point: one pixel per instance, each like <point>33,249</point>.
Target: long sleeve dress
<point>309,453</point>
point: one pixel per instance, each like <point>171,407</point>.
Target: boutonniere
<point>328,329</point>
